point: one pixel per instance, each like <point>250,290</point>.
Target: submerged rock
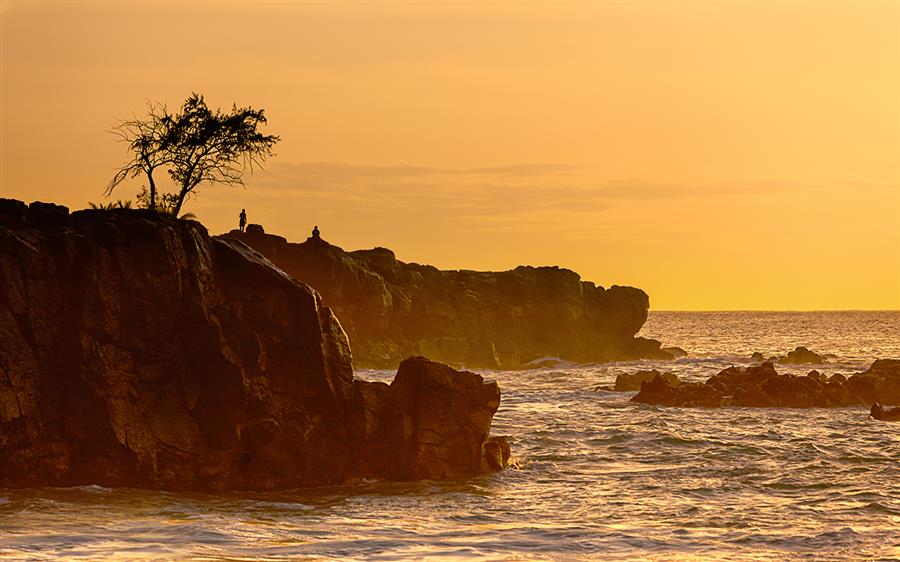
<point>506,319</point>
<point>626,382</point>
<point>802,356</point>
<point>762,386</point>
<point>675,351</point>
<point>135,350</point>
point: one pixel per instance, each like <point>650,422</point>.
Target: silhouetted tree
<point>216,147</point>
<point>151,141</point>
<point>196,145</point>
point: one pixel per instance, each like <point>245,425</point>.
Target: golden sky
<point>718,155</point>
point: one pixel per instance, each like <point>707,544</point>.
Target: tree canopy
<point>195,145</point>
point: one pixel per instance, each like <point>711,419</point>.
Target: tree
<point>151,141</point>
<point>216,147</point>
<point>196,145</point>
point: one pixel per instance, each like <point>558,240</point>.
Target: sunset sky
<point>717,155</point>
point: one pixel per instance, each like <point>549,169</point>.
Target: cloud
<point>574,200</point>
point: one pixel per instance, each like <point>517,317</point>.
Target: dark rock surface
<point>135,350</point>
<point>879,413</point>
<point>432,422</point>
<point>802,356</point>
<point>393,309</point>
<point>762,386</point>
<point>627,382</point>
<point>799,356</point>
<point>675,351</point>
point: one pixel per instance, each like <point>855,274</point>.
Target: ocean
<point>595,476</point>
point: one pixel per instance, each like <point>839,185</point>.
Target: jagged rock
<point>135,350</point>
<point>817,376</point>
<point>496,453</point>
<point>627,382</point>
<point>802,356</point>
<point>880,414</point>
<point>762,386</point>
<point>391,309</point>
<point>757,357</point>
<point>662,392</point>
<point>434,424</point>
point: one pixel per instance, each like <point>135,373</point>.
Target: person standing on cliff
<point>242,220</point>
<point>315,232</point>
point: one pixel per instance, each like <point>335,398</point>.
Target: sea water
<point>596,476</point>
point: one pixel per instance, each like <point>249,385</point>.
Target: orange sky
<point>717,155</point>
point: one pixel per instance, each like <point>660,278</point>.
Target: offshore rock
<point>627,382</point>
<point>879,413</point>
<point>391,309</point>
<point>762,386</point>
<point>675,351</point>
<point>135,350</point>
<point>802,356</point>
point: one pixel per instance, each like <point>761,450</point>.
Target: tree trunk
<point>181,195</point>
<point>152,190</point>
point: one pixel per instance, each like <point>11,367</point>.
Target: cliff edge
<point>136,350</point>
<point>506,319</point>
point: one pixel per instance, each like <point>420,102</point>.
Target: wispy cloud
<point>577,200</point>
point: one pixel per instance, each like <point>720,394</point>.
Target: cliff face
<point>136,350</point>
<point>393,309</point>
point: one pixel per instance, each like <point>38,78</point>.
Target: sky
<point>718,155</point>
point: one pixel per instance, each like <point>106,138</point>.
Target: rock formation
<point>629,382</point>
<point>135,350</point>
<point>393,309</point>
<point>802,356</point>
<point>430,422</point>
<point>762,386</point>
<point>879,413</point>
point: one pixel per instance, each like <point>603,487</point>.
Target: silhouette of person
<point>243,219</point>
<point>315,232</point>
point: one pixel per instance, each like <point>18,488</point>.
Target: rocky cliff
<point>136,350</point>
<point>507,319</point>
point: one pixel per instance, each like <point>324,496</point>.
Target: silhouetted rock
<point>802,356</point>
<point>135,350</point>
<point>626,382</point>
<point>662,392</point>
<point>434,424</point>
<point>675,351</point>
<point>762,386</point>
<point>393,309</point>
<point>879,413</point>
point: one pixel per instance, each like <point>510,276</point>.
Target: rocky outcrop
<point>879,413</point>
<point>629,382</point>
<point>675,351</point>
<point>393,309</point>
<point>762,386</point>
<point>802,356</point>
<point>431,422</point>
<point>135,350</point>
